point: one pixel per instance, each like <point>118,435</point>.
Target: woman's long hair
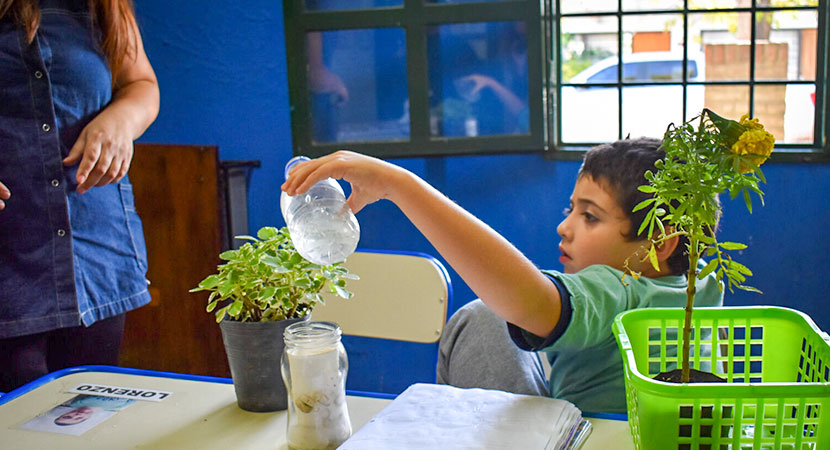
<point>115,20</point>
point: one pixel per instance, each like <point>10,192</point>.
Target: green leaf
<point>750,289</point>
<point>754,187</point>
<point>710,267</point>
<point>708,240</point>
<point>228,255</point>
<point>212,305</point>
<point>647,188</point>
<point>266,233</point>
<point>342,292</point>
<point>661,227</point>
<point>296,258</point>
<point>763,179</point>
<point>235,308</point>
<point>735,277</point>
<point>245,237</point>
<point>221,314</point>
<point>646,222</point>
<point>748,201</point>
<point>276,263</point>
<point>226,288</point>
<point>209,282</point>
<point>739,267</point>
<point>732,245</point>
<point>643,204</point>
<point>301,282</point>
<point>652,257</point>
<point>268,292</point>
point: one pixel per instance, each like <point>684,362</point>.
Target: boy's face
<point>75,416</point>
<point>594,231</point>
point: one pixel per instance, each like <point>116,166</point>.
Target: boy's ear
<point>667,247</point>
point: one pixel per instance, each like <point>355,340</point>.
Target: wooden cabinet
<point>179,198</point>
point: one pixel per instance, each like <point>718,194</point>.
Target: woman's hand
<point>105,150</point>
<point>105,146</point>
<point>5,193</point>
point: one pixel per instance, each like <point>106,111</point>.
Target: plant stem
<point>295,302</point>
<point>694,254</point>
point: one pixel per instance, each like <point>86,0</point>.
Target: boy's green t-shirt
<point>586,366</point>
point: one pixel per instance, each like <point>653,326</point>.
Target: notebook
<point>431,416</point>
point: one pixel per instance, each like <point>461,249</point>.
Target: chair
<point>392,324</point>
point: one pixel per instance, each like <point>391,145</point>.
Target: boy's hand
<point>493,268</point>
<point>371,178</point>
<point>5,193</point>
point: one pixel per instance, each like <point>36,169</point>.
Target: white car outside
<point>591,113</point>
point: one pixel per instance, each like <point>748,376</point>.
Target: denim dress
<point>65,258</point>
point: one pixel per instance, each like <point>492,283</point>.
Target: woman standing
<point>76,89</point>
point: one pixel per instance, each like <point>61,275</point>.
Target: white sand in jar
<point>318,400</point>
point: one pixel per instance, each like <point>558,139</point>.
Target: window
<point>415,78</point>
<point>439,77</point>
<point>760,57</point>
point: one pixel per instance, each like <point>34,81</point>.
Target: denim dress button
<point>61,232</point>
<point>56,183</point>
<point>38,74</point>
<point>46,127</point>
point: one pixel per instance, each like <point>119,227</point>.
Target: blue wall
<point>221,68</point>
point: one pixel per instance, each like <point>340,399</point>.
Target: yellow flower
<point>755,143</point>
<point>751,123</point>
<point>746,138</point>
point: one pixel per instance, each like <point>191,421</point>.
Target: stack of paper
<point>429,416</point>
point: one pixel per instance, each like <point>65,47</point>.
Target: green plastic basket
<point>776,362</point>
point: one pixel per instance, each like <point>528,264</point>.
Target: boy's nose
<point>562,228</point>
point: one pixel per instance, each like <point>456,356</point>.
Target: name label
<point>150,395</point>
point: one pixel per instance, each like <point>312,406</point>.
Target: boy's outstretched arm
<point>493,268</point>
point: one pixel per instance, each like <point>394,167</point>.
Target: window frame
<point>543,20</point>
<point>414,17</point>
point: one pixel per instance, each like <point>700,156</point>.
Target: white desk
<point>199,415</point>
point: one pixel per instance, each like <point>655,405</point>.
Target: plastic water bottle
<point>322,226</point>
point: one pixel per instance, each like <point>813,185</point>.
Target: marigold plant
<point>716,156</point>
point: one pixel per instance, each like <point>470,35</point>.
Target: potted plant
<point>258,291</point>
<point>773,361</point>
<point>719,155</point>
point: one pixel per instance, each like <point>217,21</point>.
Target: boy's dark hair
<point>622,166</point>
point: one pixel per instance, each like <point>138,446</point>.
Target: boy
<point>566,314</point>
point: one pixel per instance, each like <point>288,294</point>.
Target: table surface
<point>201,413</point>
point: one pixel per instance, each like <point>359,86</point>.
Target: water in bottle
<point>322,226</point>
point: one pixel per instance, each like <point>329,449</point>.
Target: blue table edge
<point>32,385</point>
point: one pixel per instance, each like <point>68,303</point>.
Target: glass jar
<point>314,367</point>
